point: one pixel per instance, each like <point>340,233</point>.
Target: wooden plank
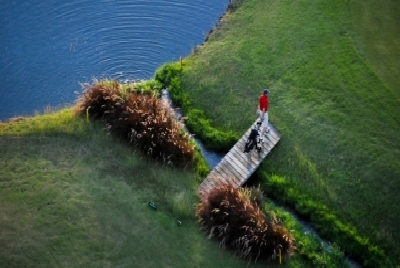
<point>231,176</point>
<point>248,168</point>
<point>255,157</point>
<point>273,132</point>
<point>230,173</point>
<point>250,156</point>
<point>256,162</point>
<point>210,182</point>
<point>215,180</point>
<point>221,177</point>
<point>241,179</point>
<point>249,160</point>
<point>214,184</point>
<point>266,148</point>
<point>236,167</point>
<point>227,175</point>
<point>221,173</point>
<point>205,187</point>
<point>227,165</point>
<point>240,146</point>
<point>228,181</point>
<point>238,156</point>
<point>271,139</point>
<point>200,188</point>
<point>241,143</point>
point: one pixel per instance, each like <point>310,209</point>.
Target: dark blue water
<point>48,47</point>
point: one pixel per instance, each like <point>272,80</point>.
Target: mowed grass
<point>377,35</point>
<point>72,196</point>
<point>337,110</point>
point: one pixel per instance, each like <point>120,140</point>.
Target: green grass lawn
<point>332,71</point>
<point>377,35</point>
<point>71,196</point>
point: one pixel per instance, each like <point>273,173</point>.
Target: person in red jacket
<point>263,112</point>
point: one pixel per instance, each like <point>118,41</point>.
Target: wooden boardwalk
<point>236,167</point>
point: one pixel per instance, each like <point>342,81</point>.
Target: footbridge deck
<point>236,167</point>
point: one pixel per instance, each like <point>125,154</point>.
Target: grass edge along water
<point>59,128</point>
<point>338,118</point>
<point>355,245</point>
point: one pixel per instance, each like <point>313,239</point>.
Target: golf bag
<point>253,141</point>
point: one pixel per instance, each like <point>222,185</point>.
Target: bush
<point>102,101</point>
<point>140,117</point>
<point>215,139</point>
<point>166,73</point>
<point>197,122</point>
<point>229,214</point>
<point>201,167</point>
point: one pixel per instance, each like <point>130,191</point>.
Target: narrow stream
<point>214,158</point>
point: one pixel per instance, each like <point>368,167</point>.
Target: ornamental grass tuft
<point>139,117</point>
<point>232,216</point>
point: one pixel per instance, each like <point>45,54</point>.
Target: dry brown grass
<point>232,215</point>
<point>141,118</point>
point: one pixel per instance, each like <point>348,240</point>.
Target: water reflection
<point>48,47</point>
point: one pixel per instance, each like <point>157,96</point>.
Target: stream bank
<point>213,158</point>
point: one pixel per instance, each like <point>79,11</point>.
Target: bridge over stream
<point>236,167</point>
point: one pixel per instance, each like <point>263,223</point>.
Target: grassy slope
<point>71,196</point>
<point>339,115</point>
<point>378,37</point>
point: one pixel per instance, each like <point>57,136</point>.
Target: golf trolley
<point>254,139</point>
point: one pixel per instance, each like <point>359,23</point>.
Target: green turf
<point>71,196</point>
<point>377,35</point>
<point>338,110</point>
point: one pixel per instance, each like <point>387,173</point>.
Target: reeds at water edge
<point>140,118</point>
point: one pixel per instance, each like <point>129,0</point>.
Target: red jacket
<point>263,103</point>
